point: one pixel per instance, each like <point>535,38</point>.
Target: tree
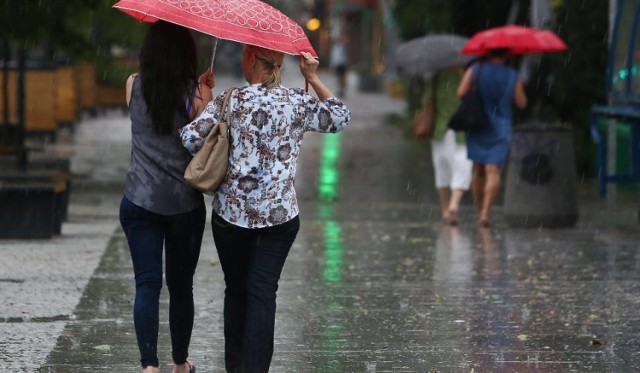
<point>52,25</point>
<point>418,18</point>
<point>579,73</point>
<point>471,16</point>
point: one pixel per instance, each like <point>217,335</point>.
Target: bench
<point>42,169</point>
<point>28,209</point>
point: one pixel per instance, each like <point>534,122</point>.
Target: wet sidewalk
<point>374,282</point>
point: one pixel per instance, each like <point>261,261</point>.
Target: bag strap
<point>476,82</point>
<point>226,106</point>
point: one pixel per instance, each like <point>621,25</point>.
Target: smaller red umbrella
<point>551,41</point>
<point>517,39</point>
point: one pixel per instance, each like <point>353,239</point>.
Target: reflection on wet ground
<point>403,295</point>
<point>376,283</point>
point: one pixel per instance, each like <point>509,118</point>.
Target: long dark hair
<point>168,66</point>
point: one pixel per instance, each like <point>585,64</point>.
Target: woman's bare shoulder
<point>129,86</point>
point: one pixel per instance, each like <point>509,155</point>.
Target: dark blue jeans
<point>181,237</point>
<point>252,261</point>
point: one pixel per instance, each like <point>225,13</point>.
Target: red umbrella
<point>517,39</point>
<point>245,21</point>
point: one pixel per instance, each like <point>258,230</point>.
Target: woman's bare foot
<point>483,221</point>
<point>452,217</point>
<point>445,216</point>
<point>150,369</point>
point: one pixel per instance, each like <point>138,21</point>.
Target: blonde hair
<point>272,61</point>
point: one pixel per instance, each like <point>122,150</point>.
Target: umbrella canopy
<point>428,54</point>
<point>517,39</point>
<point>244,21</point>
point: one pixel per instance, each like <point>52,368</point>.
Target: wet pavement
<point>374,282</point>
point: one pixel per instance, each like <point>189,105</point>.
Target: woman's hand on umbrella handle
<point>308,66</point>
<point>208,78</point>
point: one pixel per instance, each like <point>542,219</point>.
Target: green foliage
<point>471,16</point>
<point>417,18</point>
<point>81,29</point>
<point>578,75</point>
<point>116,38</point>
<point>47,23</point>
<point>463,17</point>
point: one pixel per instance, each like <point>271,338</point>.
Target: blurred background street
<point>375,281</point>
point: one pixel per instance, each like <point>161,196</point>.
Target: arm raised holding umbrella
<point>255,209</point>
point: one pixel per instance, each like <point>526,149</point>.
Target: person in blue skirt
<point>500,88</point>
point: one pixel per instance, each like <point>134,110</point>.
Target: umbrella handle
<point>213,55</point>
<point>306,85</point>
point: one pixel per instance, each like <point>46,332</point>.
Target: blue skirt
<point>490,145</point>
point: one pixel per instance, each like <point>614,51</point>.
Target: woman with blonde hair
<point>255,210</point>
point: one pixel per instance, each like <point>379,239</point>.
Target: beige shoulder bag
<point>209,166</point>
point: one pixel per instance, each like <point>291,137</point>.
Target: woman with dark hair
<point>255,211</point>
<point>500,88</point>
<point>159,210</point>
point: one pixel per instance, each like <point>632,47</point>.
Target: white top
<point>266,130</point>
<point>338,55</point>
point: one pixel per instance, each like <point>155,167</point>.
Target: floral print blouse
<point>266,130</point>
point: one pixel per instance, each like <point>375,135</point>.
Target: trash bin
<point>541,183</point>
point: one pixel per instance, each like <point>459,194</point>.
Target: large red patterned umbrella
<point>245,21</point>
<point>517,39</point>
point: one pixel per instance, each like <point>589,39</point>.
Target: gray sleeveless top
<point>155,178</point>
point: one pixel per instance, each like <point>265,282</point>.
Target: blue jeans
<point>252,261</point>
<point>181,236</point>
